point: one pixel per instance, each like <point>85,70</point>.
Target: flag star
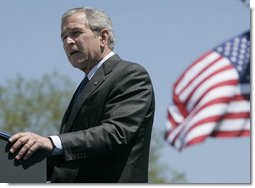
<point>233,59</point>
<point>242,51</point>
<point>243,46</point>
<point>240,62</point>
<point>220,49</point>
<point>234,53</point>
<point>244,40</point>
<point>241,56</point>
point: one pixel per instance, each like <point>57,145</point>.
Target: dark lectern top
<point>32,170</point>
<point>4,136</point>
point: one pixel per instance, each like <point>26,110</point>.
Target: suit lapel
<point>91,87</point>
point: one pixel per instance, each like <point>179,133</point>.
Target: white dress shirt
<point>55,139</point>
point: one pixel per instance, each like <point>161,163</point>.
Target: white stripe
<point>175,131</point>
<point>193,71</point>
<point>202,130</point>
<point>178,144</point>
<point>226,91</point>
<point>217,109</point>
<point>223,76</point>
<point>234,125</point>
<point>238,107</point>
<point>214,110</point>
<point>175,113</point>
<point>198,78</point>
<point>193,118</point>
<point>169,126</point>
<point>208,128</point>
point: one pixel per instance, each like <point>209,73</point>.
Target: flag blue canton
<point>237,51</point>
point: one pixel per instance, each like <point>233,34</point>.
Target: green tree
<point>159,171</point>
<point>35,105</point>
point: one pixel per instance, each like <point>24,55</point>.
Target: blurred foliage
<point>38,105</point>
<point>159,170</point>
<point>35,105</point>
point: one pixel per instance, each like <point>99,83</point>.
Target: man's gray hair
<point>97,20</point>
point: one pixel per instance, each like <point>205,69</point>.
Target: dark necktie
<point>81,87</point>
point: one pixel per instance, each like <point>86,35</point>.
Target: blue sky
<point>164,36</point>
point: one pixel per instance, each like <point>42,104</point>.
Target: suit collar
<point>97,66</point>
<point>109,65</point>
<point>95,82</point>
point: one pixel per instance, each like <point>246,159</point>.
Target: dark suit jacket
<point>106,133</point>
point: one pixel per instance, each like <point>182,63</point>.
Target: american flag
<point>212,97</point>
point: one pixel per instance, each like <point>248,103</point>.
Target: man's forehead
<point>77,18</point>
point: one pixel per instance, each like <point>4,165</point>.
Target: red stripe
<point>195,77</point>
<point>223,84</point>
<point>180,106</point>
<point>218,119</point>
<point>196,140</point>
<point>171,120</point>
<point>225,134</point>
<point>219,134</point>
<point>221,100</point>
<point>223,69</point>
<point>192,65</point>
<point>220,84</point>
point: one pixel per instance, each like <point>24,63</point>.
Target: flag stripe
<point>204,72</point>
<point>228,74</point>
<point>176,118</point>
<point>208,128</point>
<point>193,70</point>
<point>222,90</point>
<point>203,115</point>
<point>211,78</point>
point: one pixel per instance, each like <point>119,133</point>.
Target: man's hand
<point>28,143</point>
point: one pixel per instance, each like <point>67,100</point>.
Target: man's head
<point>87,37</point>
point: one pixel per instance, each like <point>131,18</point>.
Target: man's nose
<point>70,40</point>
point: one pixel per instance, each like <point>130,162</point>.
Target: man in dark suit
<point>105,132</point>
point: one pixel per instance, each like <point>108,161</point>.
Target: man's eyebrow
<point>71,29</point>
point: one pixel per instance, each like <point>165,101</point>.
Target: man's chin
<point>78,66</point>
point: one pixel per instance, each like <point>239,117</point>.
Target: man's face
<point>81,45</point>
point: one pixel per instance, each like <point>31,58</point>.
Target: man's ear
<point>104,36</point>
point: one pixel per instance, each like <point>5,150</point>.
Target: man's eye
<point>63,38</point>
<point>72,35</point>
<point>76,33</point>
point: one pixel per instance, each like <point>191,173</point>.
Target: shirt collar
<point>96,67</point>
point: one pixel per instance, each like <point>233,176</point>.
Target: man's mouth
<point>73,52</point>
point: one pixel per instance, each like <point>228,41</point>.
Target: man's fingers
<point>19,142</point>
<point>31,151</point>
<point>27,148</point>
<point>15,137</point>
